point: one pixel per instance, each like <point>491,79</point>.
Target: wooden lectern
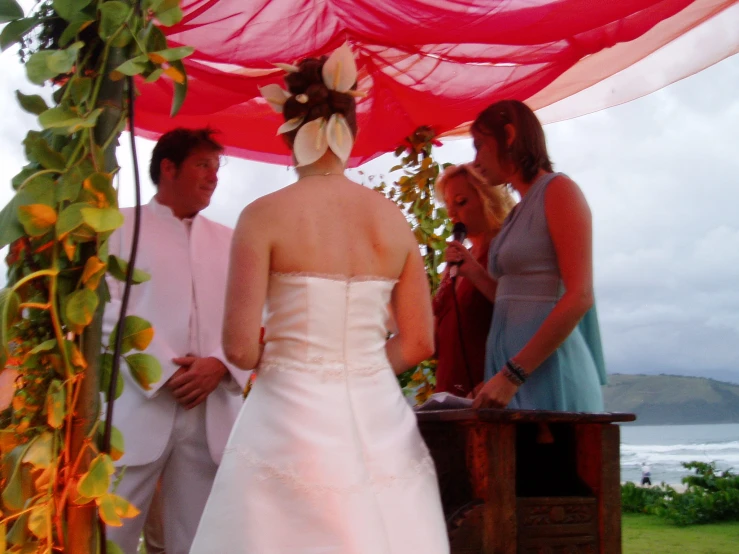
<point>528,482</point>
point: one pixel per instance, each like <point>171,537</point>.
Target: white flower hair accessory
<point>339,73</point>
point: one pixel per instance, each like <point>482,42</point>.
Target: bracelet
<point>512,377</point>
<point>517,370</point>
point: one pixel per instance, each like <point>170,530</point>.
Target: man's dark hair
<point>176,145</point>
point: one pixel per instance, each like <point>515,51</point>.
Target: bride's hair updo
<point>312,99</point>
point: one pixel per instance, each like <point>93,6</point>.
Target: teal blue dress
<point>523,261</point>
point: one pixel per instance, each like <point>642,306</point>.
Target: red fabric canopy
<point>430,62</point>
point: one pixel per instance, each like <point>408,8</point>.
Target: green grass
<point>644,534</point>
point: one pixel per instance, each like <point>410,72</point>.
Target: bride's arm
<point>411,303</point>
<point>248,276</point>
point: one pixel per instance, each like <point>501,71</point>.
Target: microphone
<point>459,233</point>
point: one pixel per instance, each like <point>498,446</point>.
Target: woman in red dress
<point>482,209</point>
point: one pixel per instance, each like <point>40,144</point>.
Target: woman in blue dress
<point>543,351</point>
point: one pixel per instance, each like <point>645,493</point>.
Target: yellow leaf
<point>423,393</point>
<point>41,482</point>
<point>157,58</point>
<point>116,75</point>
<point>95,483</point>
<point>19,403</point>
<point>38,520</point>
<point>123,507</point>
<point>55,404</point>
<point>76,357</point>
<point>8,440</point>
<point>37,219</point>
<point>107,511</point>
<point>116,444</point>
<point>174,74</point>
<point>69,247</point>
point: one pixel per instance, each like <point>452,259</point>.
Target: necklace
<point>325,174</point>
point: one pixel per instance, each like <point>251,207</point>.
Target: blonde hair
<point>497,202</point>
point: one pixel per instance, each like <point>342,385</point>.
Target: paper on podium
<point>445,401</point>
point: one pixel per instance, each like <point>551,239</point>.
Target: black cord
<point>129,274</point>
<point>115,371</point>
<point>461,335</point>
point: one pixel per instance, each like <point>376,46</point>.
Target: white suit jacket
<point>179,265</point>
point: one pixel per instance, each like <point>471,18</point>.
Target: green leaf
<point>10,10</point>
<point>180,89</point>
<point>62,61</point>
<point>13,494</point>
<point>117,444</point>
<point>44,346</point>
<point>37,219</point>
<point>74,28</point>
<point>38,150</point>
<point>118,267</point>
<point>145,369</point>
<point>102,219</point>
<point>113,14</point>
<point>38,520</point>
<point>134,66</point>
<point>18,534</point>
<point>70,184</point>
<point>99,190</point>
<point>122,39</point>
<point>31,103</point>
<point>69,9</point>
<point>9,307</point>
<point>39,453</point>
<point>47,64</point>
<point>153,38</point>
<point>55,404</point>
<point>137,334</point>
<point>123,507</point>
<point>70,219</point>
<point>80,308</point>
<point>106,509</point>
<point>14,31</point>
<point>154,75</point>
<point>24,174</point>
<point>80,89</point>
<point>168,12</point>
<point>96,481</point>
<point>36,191</point>
<point>106,371</point>
<point>171,54</point>
<point>113,548</point>
<point>69,120</point>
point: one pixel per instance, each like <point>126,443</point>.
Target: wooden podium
<point>528,482</point>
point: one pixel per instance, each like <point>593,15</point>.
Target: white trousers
<point>187,472</point>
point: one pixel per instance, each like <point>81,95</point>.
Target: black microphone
<point>459,233</point>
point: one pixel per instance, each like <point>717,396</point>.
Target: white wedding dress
<point>326,456</point>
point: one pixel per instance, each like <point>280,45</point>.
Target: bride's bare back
<point>330,226</point>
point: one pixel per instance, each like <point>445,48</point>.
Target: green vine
<point>65,208</point>
<point>414,193</point>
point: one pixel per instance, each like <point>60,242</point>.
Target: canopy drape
<point>433,62</point>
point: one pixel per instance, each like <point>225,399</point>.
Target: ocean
<point>665,447</point>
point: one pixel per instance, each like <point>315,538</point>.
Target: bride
<point>326,456</point>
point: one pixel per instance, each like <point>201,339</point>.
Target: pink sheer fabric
<point>433,62</point>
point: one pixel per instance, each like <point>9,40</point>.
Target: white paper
<point>445,401</point>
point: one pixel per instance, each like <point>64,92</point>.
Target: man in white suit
<point>177,430</point>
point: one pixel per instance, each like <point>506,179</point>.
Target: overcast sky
<point>660,174</point>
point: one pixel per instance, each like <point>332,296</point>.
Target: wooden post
<point>499,518</point>
<point>598,465</point>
